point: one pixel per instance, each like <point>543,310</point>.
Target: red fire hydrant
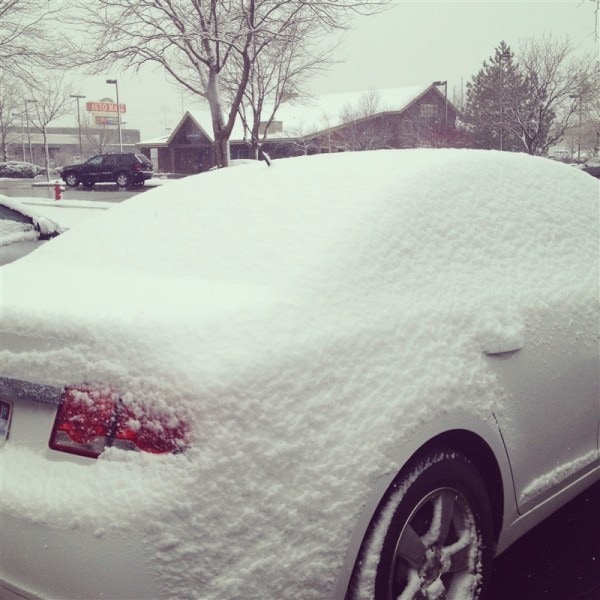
<point>58,190</point>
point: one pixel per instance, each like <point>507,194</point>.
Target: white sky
<point>414,42</point>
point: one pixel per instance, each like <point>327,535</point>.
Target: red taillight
<point>88,420</point>
<point>84,421</point>
<point>137,167</point>
<point>148,432</point>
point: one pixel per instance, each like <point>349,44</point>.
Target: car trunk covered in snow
<point>303,320</point>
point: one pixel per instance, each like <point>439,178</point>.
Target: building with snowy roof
<point>404,117</point>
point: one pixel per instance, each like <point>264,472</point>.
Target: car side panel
<point>550,411</point>
<point>457,421</point>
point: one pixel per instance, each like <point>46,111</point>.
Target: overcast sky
<point>414,42</point>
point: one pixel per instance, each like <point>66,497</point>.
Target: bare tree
<point>591,133</point>
<point>362,128</point>
<point>98,138</point>
<point>194,40</point>
<point>528,105</point>
<point>596,18</point>
<point>26,35</point>
<point>302,140</point>
<point>10,97</point>
<point>278,73</point>
<point>52,99</point>
<point>546,104</point>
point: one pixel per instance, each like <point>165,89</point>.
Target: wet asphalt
<point>557,560</point>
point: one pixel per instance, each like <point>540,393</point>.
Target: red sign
<point>105,107</point>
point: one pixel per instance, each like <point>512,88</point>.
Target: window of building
<point>429,110</point>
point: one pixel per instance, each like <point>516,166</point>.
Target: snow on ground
<point>67,213</point>
<point>303,318</point>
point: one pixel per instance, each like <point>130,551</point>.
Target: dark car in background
<point>592,167</point>
<point>125,169</point>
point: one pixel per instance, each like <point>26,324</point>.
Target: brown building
<point>391,118</point>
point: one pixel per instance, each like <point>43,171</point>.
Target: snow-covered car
<point>26,224</point>
<point>592,167</point>
<point>356,375</point>
<point>22,230</point>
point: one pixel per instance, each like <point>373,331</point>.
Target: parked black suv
<point>125,170</point>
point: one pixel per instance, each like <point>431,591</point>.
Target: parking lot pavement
<point>557,560</point>
<point>41,188</point>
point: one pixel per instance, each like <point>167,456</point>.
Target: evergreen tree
<point>491,99</point>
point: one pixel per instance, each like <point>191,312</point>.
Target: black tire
<point>122,179</point>
<point>71,179</point>
<point>437,530</point>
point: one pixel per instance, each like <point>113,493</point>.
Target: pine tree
<point>491,98</point>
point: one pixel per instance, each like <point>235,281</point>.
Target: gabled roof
<point>325,112</point>
<point>199,119</point>
<point>313,117</point>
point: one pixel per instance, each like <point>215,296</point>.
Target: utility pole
<point>445,84</point>
<point>115,83</point>
<point>28,130</point>
<point>78,97</point>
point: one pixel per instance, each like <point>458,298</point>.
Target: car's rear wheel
<point>71,179</point>
<point>123,180</point>
<point>437,532</point>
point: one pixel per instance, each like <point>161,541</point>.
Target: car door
<point>109,165</point>
<point>549,409</point>
<point>93,169</point>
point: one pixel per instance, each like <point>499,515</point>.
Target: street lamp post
<point>20,115</point>
<point>579,103</point>
<point>28,130</point>
<point>78,97</point>
<point>445,84</point>
<point>114,82</point>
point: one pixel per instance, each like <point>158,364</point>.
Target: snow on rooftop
<point>325,111</point>
<point>313,114</point>
<point>157,141</point>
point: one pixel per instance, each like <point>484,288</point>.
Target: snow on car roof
<point>455,224</point>
<point>303,317</point>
